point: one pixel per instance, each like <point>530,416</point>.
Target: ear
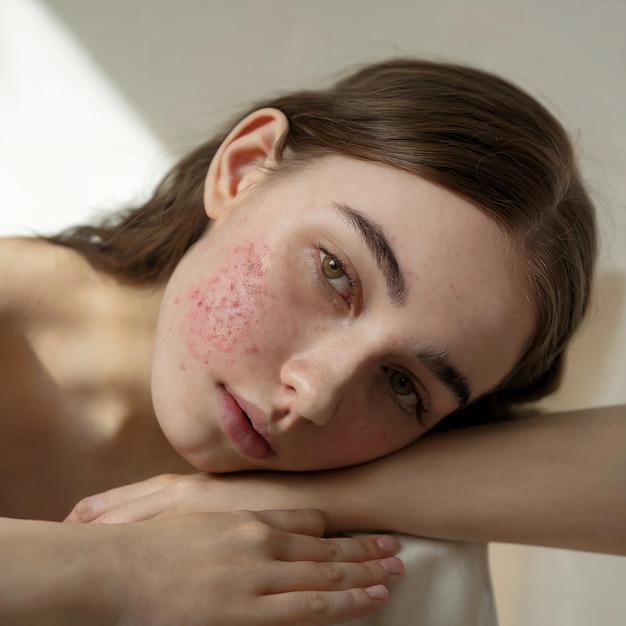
<point>241,157</point>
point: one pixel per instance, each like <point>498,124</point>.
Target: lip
<point>239,428</point>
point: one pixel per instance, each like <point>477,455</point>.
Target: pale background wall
<point>96,98</point>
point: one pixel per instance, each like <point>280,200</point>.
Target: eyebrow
<point>439,364</point>
<point>374,238</point>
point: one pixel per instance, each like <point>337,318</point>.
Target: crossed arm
<point>557,480</point>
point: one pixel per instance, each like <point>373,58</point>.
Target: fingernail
<point>387,543</point>
<point>393,565</point>
<point>377,592</point>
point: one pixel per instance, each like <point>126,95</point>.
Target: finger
<point>322,608</point>
<point>300,521</point>
<point>294,547</point>
<point>305,542</point>
<point>88,509</point>
<point>326,576</point>
<point>163,503</point>
<point>142,509</point>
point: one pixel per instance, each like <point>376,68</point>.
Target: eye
<point>333,272</point>
<point>331,268</point>
<point>406,394</point>
<point>401,383</point>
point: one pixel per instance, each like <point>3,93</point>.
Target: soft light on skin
<point>245,311</point>
<point>311,356</point>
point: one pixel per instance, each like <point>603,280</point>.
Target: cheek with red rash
<point>225,315</point>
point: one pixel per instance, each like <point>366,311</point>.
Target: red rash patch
<point>226,312</point>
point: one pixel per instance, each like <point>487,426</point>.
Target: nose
<point>315,383</point>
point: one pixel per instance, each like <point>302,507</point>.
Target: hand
<point>174,494</point>
<point>252,569</point>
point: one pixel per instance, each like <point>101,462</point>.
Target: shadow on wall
<point>180,64</point>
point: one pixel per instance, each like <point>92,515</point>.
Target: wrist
<point>53,567</point>
<point>339,494</point>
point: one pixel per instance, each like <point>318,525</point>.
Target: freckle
<point>182,366</point>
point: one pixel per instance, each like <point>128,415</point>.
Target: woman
<point>406,244</point>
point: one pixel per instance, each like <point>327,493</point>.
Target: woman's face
<point>333,316</point>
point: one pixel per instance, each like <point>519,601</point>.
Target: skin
<point>61,408</point>
<point>263,292</point>
<point>57,418</point>
<point>560,482</point>
<point>233,568</point>
<point>330,364</point>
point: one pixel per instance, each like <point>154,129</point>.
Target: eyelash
<point>421,413</point>
<point>353,281</point>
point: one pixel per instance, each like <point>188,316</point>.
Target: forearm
<point>50,567</point>
<point>556,480</point>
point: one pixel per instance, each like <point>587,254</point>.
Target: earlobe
<point>242,157</point>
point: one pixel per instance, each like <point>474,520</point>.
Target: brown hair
<point>465,129</point>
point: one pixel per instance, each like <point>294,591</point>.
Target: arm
<point>247,568</point>
<point>45,567</point>
<point>557,480</point>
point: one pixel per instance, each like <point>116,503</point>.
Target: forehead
<point>467,290</point>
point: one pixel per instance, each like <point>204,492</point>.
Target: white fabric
<point>444,584</point>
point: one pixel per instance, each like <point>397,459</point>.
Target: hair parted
<point>467,130</point>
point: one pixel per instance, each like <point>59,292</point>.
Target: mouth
<point>240,429</point>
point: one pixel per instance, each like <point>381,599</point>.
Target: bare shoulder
<point>30,269</point>
<point>19,259</point>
